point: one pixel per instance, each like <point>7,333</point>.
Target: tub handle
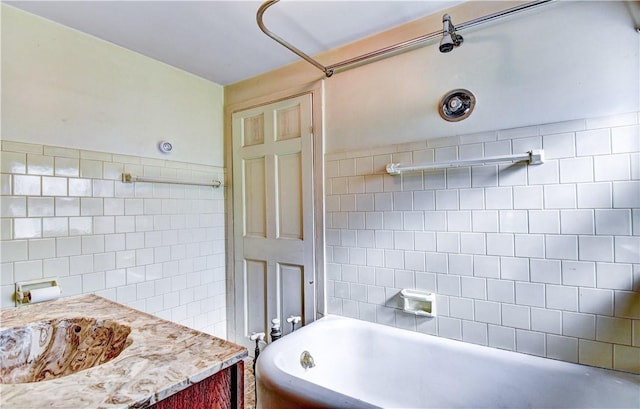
<point>293,320</point>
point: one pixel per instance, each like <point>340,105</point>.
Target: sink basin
<point>51,349</point>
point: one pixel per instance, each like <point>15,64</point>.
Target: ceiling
<point>220,40</point>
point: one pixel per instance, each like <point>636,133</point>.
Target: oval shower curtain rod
<point>330,69</point>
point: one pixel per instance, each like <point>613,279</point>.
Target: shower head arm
<point>450,39</point>
<point>448,26</point>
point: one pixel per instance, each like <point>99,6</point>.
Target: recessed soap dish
<point>418,302</point>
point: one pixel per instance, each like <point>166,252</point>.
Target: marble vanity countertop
<point>162,359</point>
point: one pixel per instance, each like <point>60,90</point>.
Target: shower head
<point>450,39</point>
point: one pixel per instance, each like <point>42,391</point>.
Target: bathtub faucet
<point>256,336</point>
<point>306,360</point>
<point>276,332</point>
<point>294,319</point>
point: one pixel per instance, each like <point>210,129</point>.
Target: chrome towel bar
<point>129,178</point>
<point>534,157</point>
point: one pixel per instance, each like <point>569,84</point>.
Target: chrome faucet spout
<point>306,360</point>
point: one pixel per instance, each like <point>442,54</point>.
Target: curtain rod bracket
<point>328,72</point>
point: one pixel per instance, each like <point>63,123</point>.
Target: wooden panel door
<point>273,220</point>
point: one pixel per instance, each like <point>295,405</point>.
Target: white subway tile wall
<point>159,248</point>
<point>543,260</point>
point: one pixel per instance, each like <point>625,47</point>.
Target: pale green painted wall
<point>65,88</point>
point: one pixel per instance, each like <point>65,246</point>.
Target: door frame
<point>316,90</point>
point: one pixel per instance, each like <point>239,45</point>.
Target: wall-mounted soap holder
<point>29,292</point>
<point>418,302</point>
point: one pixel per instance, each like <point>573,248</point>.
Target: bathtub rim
<point>294,385</point>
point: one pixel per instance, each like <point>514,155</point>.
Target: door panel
<point>253,133</point>
<point>291,280</point>
<point>256,278</point>
<point>273,219</point>
<point>255,218</point>
<point>290,196</point>
<point>288,120</point>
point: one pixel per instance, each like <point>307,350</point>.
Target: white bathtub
<point>364,365</point>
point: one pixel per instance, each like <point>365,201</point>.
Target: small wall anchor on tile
<point>418,302</point>
<point>29,292</point>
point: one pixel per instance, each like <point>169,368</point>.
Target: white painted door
<point>273,220</point>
